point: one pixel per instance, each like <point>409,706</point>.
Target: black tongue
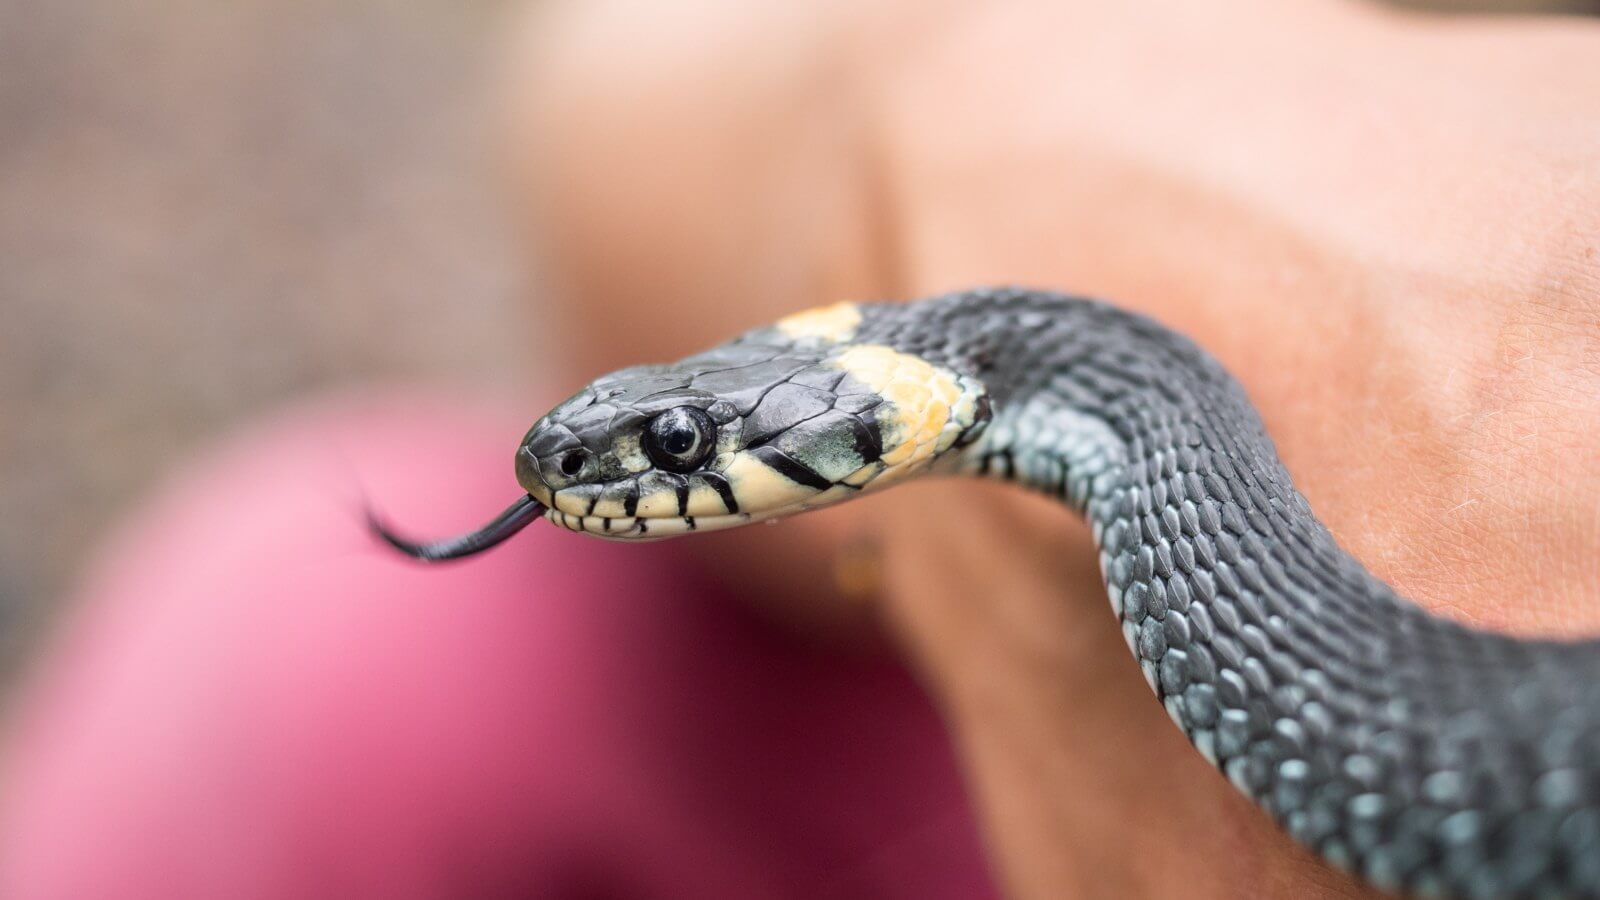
<point>514,519</point>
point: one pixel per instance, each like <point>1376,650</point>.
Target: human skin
<point>1386,226</point>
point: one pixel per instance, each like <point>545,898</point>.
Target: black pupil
<point>679,438</point>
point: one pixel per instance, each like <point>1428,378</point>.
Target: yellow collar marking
<point>834,323</point>
<point>928,407</point>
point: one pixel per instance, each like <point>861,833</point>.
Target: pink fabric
<point>254,700</point>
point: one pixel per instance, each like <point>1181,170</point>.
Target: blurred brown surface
<point>208,208</point>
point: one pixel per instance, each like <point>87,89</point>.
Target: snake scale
<point>1418,753</point>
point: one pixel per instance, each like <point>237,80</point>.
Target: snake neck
<point>1422,754</point>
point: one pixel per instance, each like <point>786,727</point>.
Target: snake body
<point>1420,754</point>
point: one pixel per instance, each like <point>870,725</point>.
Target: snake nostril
<point>572,462</point>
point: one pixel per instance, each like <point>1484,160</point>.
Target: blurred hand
<point>1385,225</point>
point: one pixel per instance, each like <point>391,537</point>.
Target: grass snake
<point>1421,754</point>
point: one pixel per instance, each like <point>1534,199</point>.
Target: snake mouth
<point>635,528</point>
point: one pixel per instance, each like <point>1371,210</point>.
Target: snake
<point>1423,755</point>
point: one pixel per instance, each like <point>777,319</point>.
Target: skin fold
<point>1386,226</point>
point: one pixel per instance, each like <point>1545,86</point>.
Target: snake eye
<point>680,439</point>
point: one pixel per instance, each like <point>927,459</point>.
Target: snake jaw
<point>645,529</point>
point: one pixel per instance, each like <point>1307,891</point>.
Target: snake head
<point>773,423</point>
<point>805,413</point>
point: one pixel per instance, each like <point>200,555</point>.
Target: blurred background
<point>207,209</point>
